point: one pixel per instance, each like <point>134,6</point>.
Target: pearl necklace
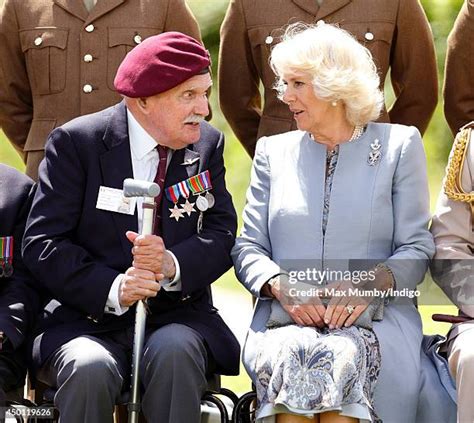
<point>358,131</point>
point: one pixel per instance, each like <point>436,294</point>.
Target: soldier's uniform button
<point>320,22</point>
<point>269,40</point>
<point>87,88</point>
<point>369,36</point>
<point>90,28</point>
<point>38,41</point>
<point>88,58</point>
<point>137,39</point>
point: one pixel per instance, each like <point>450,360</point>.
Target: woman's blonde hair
<point>340,67</point>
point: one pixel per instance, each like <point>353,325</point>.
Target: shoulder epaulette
<point>453,181</point>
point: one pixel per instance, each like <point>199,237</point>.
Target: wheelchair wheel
<point>244,411</point>
<point>229,394</point>
<point>219,404</point>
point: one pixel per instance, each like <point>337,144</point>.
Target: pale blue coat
<point>376,212</point>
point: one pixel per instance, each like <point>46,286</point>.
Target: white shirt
<point>145,161</point>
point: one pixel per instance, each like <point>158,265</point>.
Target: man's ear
<point>142,104</point>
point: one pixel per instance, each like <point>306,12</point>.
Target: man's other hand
<point>149,253</point>
<point>136,285</point>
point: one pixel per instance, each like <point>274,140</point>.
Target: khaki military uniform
<point>459,74</point>
<point>395,31</point>
<point>59,60</point>
<point>453,265</point>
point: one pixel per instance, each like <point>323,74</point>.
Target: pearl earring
<point>334,103</point>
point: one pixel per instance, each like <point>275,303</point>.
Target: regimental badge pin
<point>189,162</point>
<point>375,153</point>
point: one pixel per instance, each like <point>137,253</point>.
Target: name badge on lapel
<point>112,199</point>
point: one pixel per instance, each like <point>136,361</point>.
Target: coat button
<point>38,41</point>
<point>369,36</point>
<point>90,28</point>
<point>320,22</point>
<point>269,40</point>
<point>87,88</point>
<point>88,58</point>
<point>137,39</point>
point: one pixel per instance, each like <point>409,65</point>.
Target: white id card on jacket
<point>112,199</point>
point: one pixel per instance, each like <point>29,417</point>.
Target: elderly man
<point>453,265</point>
<point>396,32</point>
<point>459,77</point>
<point>63,56</point>
<point>19,302</point>
<point>81,241</point>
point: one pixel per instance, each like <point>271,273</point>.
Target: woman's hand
<point>344,309</point>
<point>310,313</point>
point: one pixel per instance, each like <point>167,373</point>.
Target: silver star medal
<point>375,154</point>
<point>188,207</point>
<point>176,212</point>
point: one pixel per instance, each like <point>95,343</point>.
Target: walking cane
<point>147,190</point>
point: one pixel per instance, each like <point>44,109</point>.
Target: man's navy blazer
<point>76,250</point>
<point>19,301</point>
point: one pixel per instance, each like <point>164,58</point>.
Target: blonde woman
<point>340,188</point>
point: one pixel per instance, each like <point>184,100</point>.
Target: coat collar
<point>78,9</point>
<point>101,8</point>
<point>327,8</point>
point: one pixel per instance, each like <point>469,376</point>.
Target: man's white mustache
<point>194,119</point>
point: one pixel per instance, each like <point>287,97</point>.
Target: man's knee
<point>175,340</point>
<point>176,344</point>
<point>88,363</point>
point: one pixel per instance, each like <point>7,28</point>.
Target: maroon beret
<point>160,63</point>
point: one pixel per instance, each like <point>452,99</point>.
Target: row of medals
<point>203,203</point>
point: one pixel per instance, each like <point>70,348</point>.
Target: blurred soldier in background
<point>459,77</point>
<point>62,56</point>
<point>395,31</point>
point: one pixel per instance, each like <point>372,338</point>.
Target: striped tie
<point>160,180</point>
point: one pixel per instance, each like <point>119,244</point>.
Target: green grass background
<point>437,140</point>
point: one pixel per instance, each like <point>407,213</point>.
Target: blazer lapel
<point>329,7</point>
<point>101,8</point>
<point>116,165</point>
<point>74,7</point>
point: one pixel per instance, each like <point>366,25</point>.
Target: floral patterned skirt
<point>306,370</point>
